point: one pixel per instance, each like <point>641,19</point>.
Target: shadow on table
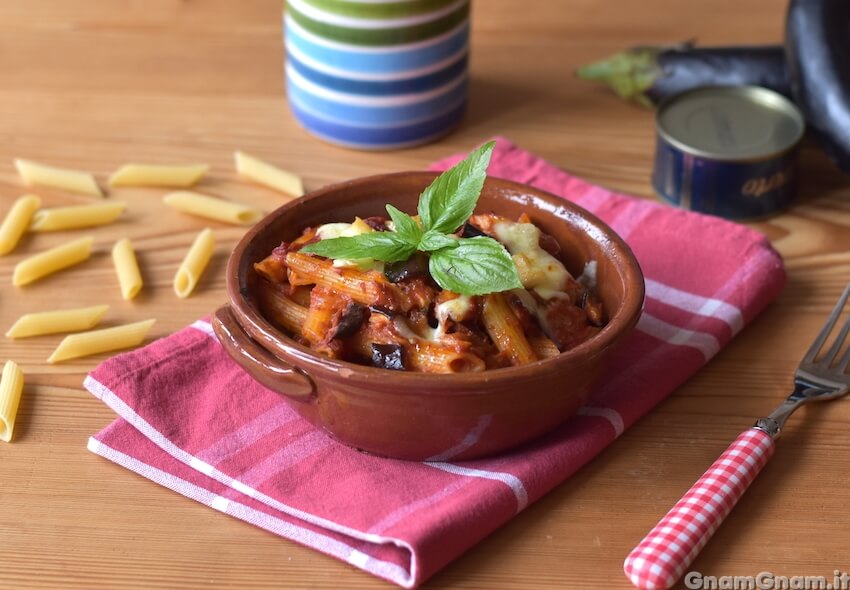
<point>491,100</point>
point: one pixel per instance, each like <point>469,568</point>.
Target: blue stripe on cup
<point>337,108</point>
<point>379,138</point>
<point>376,62</point>
<point>383,88</point>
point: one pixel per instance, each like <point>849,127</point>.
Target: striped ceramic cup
<point>377,74</point>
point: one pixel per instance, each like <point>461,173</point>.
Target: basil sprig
<point>469,266</point>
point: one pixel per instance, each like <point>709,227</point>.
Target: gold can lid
<point>734,123</point>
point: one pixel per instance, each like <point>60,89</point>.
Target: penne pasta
<point>127,269</point>
<point>76,216</point>
<point>98,341</point>
<point>505,330</point>
<point>16,222</point>
<point>323,306</point>
<point>212,208</point>
<point>367,288</point>
<point>194,263</point>
<point>158,175</point>
<point>75,181</point>
<point>282,310</point>
<point>543,347</point>
<point>54,322</point>
<point>434,357</point>
<point>36,267</point>
<point>420,296</point>
<point>11,387</point>
<point>268,174</point>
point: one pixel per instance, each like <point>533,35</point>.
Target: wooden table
<point>94,84</point>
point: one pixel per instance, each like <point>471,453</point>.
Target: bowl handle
<point>262,365</point>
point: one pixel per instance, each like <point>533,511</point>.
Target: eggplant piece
<point>470,231</point>
<point>648,75</point>
<point>415,266</point>
<point>817,47</point>
<point>350,321</point>
<point>388,356</point>
<point>376,222</point>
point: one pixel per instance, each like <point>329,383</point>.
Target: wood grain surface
<point>96,83</point>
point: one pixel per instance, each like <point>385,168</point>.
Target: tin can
<point>728,151</point>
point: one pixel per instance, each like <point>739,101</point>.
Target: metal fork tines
<point>816,378</point>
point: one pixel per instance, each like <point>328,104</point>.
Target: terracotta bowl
<point>420,416</point>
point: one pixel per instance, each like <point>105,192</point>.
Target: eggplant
<point>350,321</point>
<point>415,266</point>
<point>648,75</point>
<point>817,47</point>
<point>470,231</point>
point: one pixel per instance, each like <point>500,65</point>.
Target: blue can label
<point>734,190</point>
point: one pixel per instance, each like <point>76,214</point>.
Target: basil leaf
<point>386,246</point>
<point>432,241</point>
<point>405,225</point>
<point>475,267</point>
<point>451,198</point>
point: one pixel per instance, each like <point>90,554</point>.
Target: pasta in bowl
<point>483,399</point>
<point>395,316</point>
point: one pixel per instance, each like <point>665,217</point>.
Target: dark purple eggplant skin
<point>685,68</point>
<point>470,231</point>
<point>817,48</point>
<point>351,320</point>
<point>415,266</point>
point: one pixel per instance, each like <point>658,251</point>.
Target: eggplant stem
<point>629,73</point>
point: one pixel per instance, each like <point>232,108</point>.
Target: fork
<point>661,558</point>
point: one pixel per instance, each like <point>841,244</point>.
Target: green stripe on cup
<point>381,37</point>
<point>376,11</point>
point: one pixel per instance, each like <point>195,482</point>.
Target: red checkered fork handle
<point>662,556</point>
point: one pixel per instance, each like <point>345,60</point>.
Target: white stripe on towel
<point>702,341</point>
<point>696,304</point>
<point>610,414</point>
<point>323,543</point>
<point>510,480</point>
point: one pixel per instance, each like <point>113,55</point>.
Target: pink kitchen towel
<point>193,421</point>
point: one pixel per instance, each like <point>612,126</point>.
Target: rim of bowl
<point>618,325</point>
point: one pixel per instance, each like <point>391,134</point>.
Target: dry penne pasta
<point>268,174</point>
<point>54,322</point>
<point>76,181</point>
<point>76,216</point>
<point>104,340</point>
<point>158,175</point>
<point>11,386</point>
<point>212,207</point>
<point>194,263</point>
<point>47,262</point>
<point>16,222</point>
<point>127,269</point>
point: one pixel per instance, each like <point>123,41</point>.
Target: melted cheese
<point>538,269</point>
<point>588,275</point>
<point>405,331</point>
<point>330,231</point>
<point>454,309</point>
